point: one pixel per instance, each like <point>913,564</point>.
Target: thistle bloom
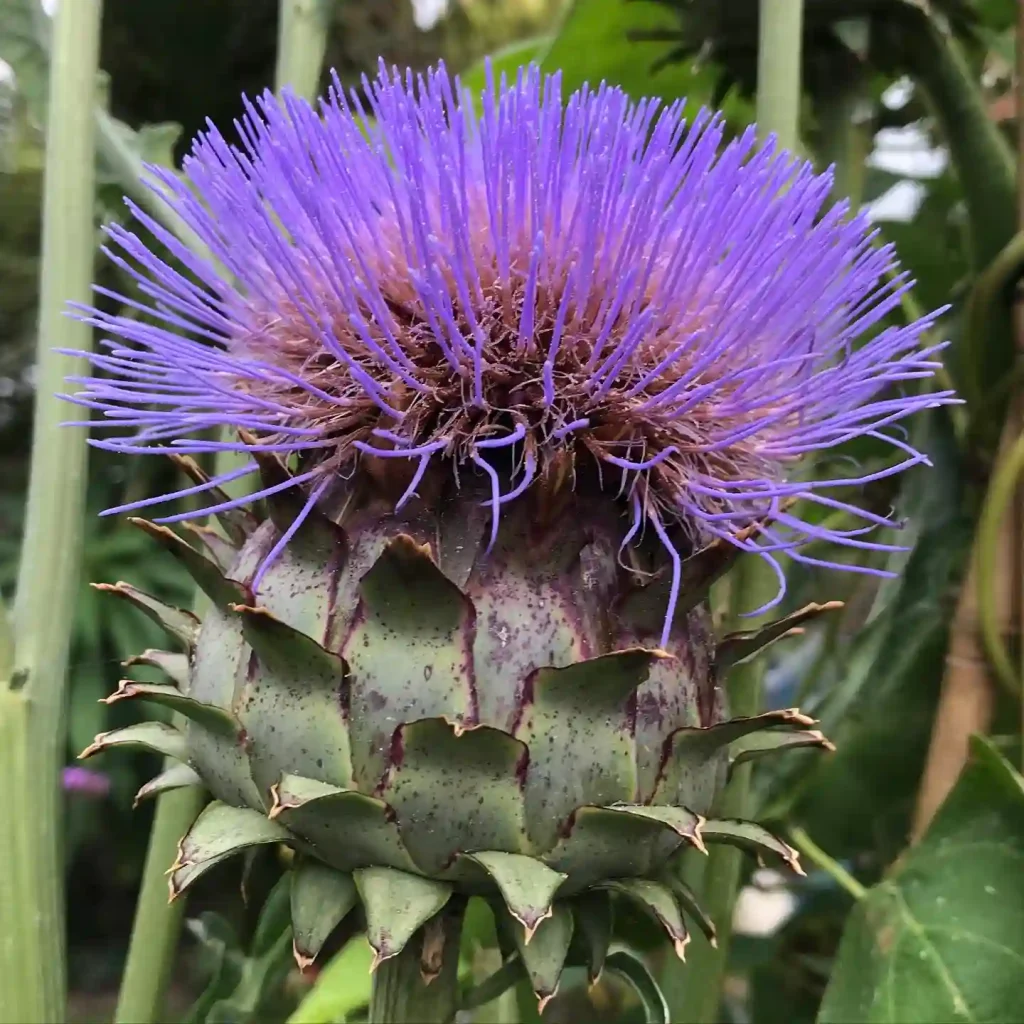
<point>590,287</point>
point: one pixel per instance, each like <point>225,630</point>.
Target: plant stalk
<point>301,45</point>
<point>401,996</point>
<point>779,55</point>
<point>984,163</point>
<point>302,42</point>
<point>32,710</point>
<point>694,990</point>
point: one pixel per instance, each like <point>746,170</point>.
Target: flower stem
<point>32,709</point>
<point>820,859</point>
<point>157,922</point>
<point>401,996</point>
<point>780,39</point>
<point>694,992</point>
<point>157,925</point>
<point>301,45</point>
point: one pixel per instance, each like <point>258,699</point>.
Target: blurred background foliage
<point>882,82</point>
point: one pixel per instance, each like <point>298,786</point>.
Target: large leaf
<point>885,686</point>
<point>942,938</point>
<point>342,986</point>
<point>591,47</point>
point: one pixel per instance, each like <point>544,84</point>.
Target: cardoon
<point>514,390</point>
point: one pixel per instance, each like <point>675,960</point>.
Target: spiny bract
<point>518,388</point>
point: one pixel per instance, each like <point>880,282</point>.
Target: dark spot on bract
<point>428,671</point>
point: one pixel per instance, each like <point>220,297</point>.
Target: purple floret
<point>596,281</point>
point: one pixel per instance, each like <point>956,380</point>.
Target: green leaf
<point>631,969</point>
<point>218,833</point>
<point>216,719</point>
<point>174,666</point>
<point>176,777</point>
<point>544,952</point>
<point>349,829</point>
<point>396,904</point>
<point>659,901</point>
<point>205,573</point>
<point>691,775</point>
<point>408,654</point>
<point>942,938</point>
<point>321,898</point>
<point>594,761</point>
<point>592,911</point>
<point>158,737</point>
<point>591,46</point>
<point>293,673</point>
<point>180,624</point>
<point>507,61</point>
<point>527,885</point>
<point>438,768</point>
<point>736,648</point>
<point>24,33</point>
<point>751,837</point>
<point>342,986</point>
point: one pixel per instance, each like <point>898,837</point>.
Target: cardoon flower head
<point>513,385</point>
<point>587,290</point>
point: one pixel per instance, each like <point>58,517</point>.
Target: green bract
<point>422,720</point>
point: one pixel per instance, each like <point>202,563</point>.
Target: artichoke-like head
<point>517,387</point>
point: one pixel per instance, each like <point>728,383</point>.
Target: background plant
<point>883,677</point>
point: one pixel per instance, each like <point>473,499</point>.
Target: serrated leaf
<point>174,666</point>
<point>544,953</point>
<point>692,773</point>
<point>348,829</point>
<point>180,624</point>
<point>659,901</point>
<point>527,885</point>
<point>437,768</point>
<point>206,574</point>
<point>321,898</point>
<point>593,761</point>
<point>341,987</point>
<point>396,905</point>
<point>158,737</point>
<point>220,832</point>
<point>409,654</point>
<point>210,717</point>
<point>631,969</point>
<point>293,672</point>
<point>942,937</point>
<point>178,776</point>
<point>738,647</point>
<point>750,837</point>
<point>687,899</point>
<point>238,523</point>
<point>773,741</point>
<point>592,911</point>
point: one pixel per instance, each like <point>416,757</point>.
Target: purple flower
<point>85,782</point>
<point>591,283</point>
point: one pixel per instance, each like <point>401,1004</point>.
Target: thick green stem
<point>780,37</point>
<point>302,43</point>
<point>401,996</point>
<point>157,923</point>
<point>984,163</point>
<point>694,991</point>
<point>844,139</point>
<point>32,712</point>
